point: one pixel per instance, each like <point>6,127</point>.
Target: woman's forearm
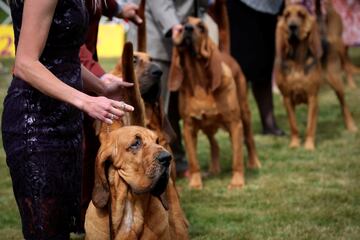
<point>91,83</point>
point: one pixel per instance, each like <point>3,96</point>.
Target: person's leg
<point>177,146</point>
<point>255,54</point>
<point>262,91</point>
<point>262,83</point>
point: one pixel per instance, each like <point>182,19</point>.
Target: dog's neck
<point>195,72</point>
<point>299,57</point>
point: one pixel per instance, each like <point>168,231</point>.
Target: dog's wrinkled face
<point>140,160</point>
<point>192,36</point>
<point>147,72</point>
<point>298,22</point>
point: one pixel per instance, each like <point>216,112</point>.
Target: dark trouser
<point>253,46</point>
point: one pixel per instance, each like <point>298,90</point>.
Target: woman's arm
<point>37,18</point>
<point>108,86</point>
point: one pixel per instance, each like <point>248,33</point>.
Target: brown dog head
<point>138,159</point>
<point>149,75</point>
<point>296,26</point>
<point>193,41</point>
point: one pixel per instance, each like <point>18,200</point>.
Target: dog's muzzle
<point>294,31</point>
<point>164,159</point>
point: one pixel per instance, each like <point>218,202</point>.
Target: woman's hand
<point>105,109</point>
<point>112,85</point>
<point>129,11</point>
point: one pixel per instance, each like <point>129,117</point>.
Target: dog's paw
<point>309,145</point>
<point>294,143</point>
<point>254,164</point>
<point>195,181</point>
<point>237,181</point>
<point>352,127</point>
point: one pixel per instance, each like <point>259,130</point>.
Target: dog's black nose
<point>293,27</point>
<point>188,27</point>
<point>156,72</point>
<point>164,158</point>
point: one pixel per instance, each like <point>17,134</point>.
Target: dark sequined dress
<point>42,136</point>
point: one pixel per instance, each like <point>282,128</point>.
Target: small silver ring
<point>111,116</point>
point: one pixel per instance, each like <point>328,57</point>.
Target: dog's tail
<point>133,96</point>
<point>141,30</point>
<point>219,13</point>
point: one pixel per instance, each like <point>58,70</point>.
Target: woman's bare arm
<point>36,22</point>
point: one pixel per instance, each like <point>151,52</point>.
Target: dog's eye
<point>136,144</point>
<point>201,27</point>
<point>135,60</point>
<point>287,15</point>
<point>301,15</point>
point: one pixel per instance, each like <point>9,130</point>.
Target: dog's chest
<point>299,85</point>
<point>201,105</point>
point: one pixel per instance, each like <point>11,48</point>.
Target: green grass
<point>296,195</point>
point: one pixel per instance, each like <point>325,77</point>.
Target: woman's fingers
<point>123,106</point>
<point>125,84</point>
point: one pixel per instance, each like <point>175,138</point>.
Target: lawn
<point>296,195</point>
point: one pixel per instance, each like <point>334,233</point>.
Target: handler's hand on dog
<point>129,12</point>
<point>112,85</point>
<point>105,109</point>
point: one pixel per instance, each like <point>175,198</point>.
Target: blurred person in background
<point>252,38</point>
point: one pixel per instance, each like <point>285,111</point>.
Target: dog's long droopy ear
<point>209,50</point>
<point>100,194</point>
<point>133,94</point>
<point>176,75</point>
<point>281,44</point>
<point>141,30</point>
<point>314,38</point>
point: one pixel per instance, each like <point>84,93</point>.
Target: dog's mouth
<point>161,183</point>
<point>158,190</point>
<point>294,33</point>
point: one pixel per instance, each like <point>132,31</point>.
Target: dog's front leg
<point>215,153</point>
<point>190,139</point>
<point>290,109</point>
<point>236,134</point>
<point>311,123</point>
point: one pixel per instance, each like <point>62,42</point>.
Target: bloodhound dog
<point>149,75</point>
<point>133,195</point>
<point>212,94</point>
<point>331,29</point>
<point>304,56</point>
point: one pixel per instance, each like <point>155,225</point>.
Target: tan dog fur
<point>299,70</point>
<point>212,94</point>
<point>123,206</point>
<point>332,27</point>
